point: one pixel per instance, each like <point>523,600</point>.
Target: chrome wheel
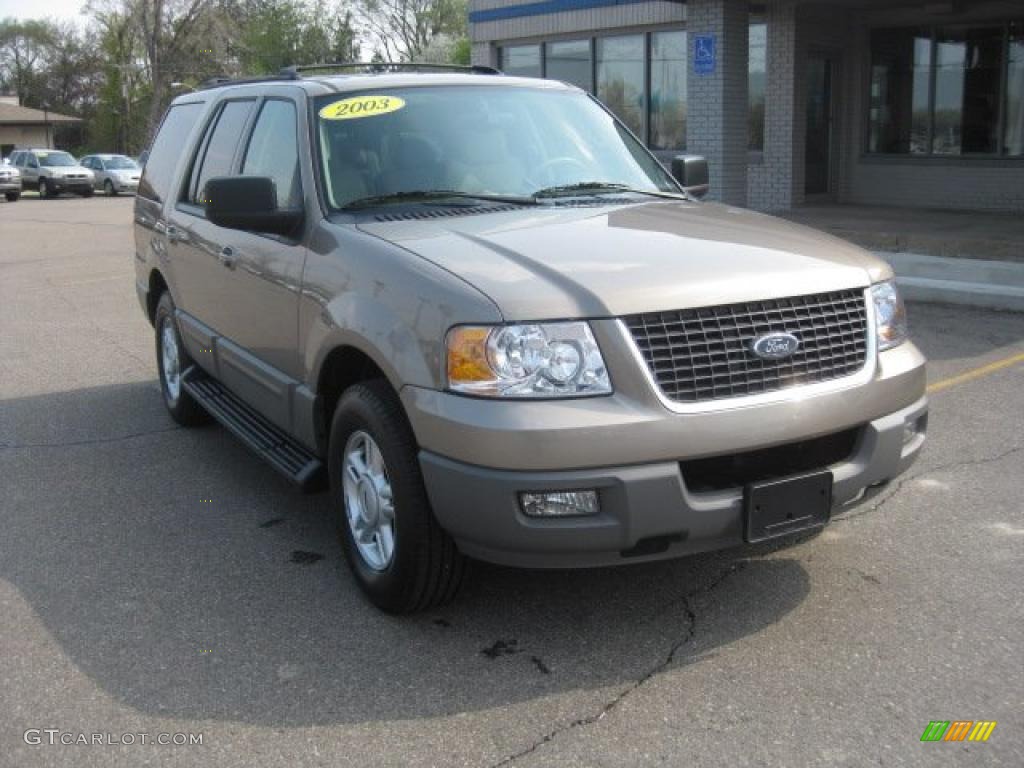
<point>171,359</point>
<point>369,505</point>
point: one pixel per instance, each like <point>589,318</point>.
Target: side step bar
<point>281,451</point>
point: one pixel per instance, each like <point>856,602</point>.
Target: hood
<point>69,170</point>
<point>559,262</point>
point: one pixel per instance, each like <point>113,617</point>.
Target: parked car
<point>114,174</point>
<point>52,171</point>
<point>10,182</point>
<point>504,331</point>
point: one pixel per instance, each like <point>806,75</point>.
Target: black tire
<point>44,189</point>
<point>426,569</point>
<point>87,192</point>
<point>12,197</point>
<point>108,188</point>
<point>183,408</point>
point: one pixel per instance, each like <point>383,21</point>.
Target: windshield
<point>495,141</point>
<point>55,159</point>
<point>119,163</point>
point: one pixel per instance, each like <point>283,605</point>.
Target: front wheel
<point>172,362</point>
<point>108,188</point>
<point>44,189</point>
<point>12,197</point>
<point>400,556</point>
<point>87,192</point>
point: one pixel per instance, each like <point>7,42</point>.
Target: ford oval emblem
<point>775,346</point>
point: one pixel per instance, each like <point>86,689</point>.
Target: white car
<point>52,171</point>
<point>113,174</point>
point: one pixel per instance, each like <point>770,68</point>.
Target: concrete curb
<point>970,282</point>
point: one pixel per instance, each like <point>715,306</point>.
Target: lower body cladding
<point>659,510</point>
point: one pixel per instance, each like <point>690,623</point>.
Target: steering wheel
<point>547,169</point>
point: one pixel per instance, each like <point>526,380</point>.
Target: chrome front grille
<point>697,355</point>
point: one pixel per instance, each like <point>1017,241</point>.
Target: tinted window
<point>274,151</point>
<point>220,148</point>
<point>521,60</point>
<point>167,149</point>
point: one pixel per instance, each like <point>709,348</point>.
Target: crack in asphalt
<point>90,441</point>
<point>930,470</point>
<point>686,601</point>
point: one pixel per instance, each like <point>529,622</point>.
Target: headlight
<point>890,315</point>
<point>542,360</point>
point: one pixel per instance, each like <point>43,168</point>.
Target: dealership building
<point>916,103</point>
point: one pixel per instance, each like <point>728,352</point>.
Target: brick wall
<point>716,123</point>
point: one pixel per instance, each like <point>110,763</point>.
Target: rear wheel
<point>12,197</point>
<point>398,553</point>
<point>173,361</point>
<point>87,192</point>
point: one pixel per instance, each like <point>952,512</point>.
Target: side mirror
<point>691,171</point>
<point>249,203</point>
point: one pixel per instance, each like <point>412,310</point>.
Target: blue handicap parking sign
<point>704,54</point>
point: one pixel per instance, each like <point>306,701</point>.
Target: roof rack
<point>376,67</point>
<point>217,82</point>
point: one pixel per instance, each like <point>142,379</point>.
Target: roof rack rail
<point>388,66</point>
<point>217,82</point>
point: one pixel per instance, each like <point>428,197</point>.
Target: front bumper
<point>647,511</point>
<point>69,185</point>
<point>6,185</point>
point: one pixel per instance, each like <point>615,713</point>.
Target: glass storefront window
<point>569,61</point>
<point>967,71</point>
<point>901,62</point>
<point>521,60</point>
<point>620,78</point>
<point>941,91</point>
<point>1013,139</point>
<point>757,71</point>
<point>668,90</point>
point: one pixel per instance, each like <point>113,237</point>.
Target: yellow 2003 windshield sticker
<point>361,106</point>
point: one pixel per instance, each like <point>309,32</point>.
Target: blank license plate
<point>780,507</point>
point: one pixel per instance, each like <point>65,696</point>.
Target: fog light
<point>911,429</point>
<point>560,503</point>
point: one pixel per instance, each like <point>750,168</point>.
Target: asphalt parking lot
<point>160,580</point>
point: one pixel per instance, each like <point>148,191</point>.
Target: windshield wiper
<point>601,188</point>
<point>420,195</point>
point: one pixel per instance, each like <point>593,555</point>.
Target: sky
<point>65,10</point>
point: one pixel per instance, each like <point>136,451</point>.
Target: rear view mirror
<point>691,171</point>
<point>248,203</point>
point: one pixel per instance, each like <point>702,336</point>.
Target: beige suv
<point>484,314</point>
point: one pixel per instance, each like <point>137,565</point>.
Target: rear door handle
<point>227,257</point>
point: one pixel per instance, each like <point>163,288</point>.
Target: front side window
<point>474,140</point>
<point>274,151</point>
<point>220,147</point>
<point>620,78</point>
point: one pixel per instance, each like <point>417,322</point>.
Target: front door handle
<point>176,235</point>
<point>227,257</point>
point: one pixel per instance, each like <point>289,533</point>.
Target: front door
<point>818,148</point>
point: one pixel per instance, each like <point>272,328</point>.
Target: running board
<point>282,452</point>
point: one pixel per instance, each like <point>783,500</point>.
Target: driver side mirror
<point>691,171</point>
<point>249,203</point>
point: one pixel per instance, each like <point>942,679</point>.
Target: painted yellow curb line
<point>976,373</point>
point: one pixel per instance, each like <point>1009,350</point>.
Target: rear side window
<point>220,147</point>
<point>166,150</point>
<point>274,151</point>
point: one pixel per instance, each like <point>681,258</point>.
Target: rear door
<point>194,246</point>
